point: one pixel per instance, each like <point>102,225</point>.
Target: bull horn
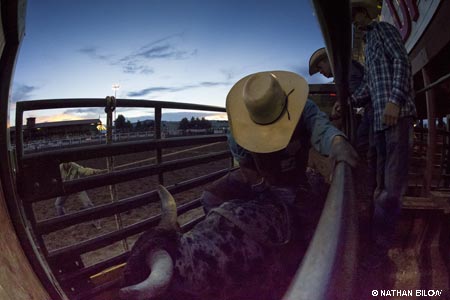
<point>161,266</point>
<point>168,209</point>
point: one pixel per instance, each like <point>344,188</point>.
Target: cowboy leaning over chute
<point>273,126</point>
<point>240,248</point>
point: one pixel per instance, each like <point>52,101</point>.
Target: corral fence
<point>39,179</point>
<point>34,185</point>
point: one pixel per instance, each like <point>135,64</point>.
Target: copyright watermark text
<point>407,293</point>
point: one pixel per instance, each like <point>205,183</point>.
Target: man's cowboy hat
<point>264,109</point>
<point>316,58</point>
<point>369,5</point>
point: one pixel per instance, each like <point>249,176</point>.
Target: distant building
<point>58,130</point>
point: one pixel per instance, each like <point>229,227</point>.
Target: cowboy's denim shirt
<point>387,75</point>
<point>288,166</point>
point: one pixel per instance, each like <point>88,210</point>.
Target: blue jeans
<point>365,146</point>
<point>83,196</point>
<point>393,151</point>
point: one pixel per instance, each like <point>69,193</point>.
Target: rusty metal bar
<point>85,183</point>
<point>335,22</point>
<point>158,117</point>
<point>96,151</point>
<point>139,172</point>
<point>109,109</point>
<point>100,102</point>
<point>58,223</point>
<point>431,146</point>
<point>97,290</point>
<point>116,260</point>
<point>94,269</point>
<point>330,261</point>
<point>33,277</point>
<point>429,86</point>
<point>329,88</point>
<point>191,224</point>
<point>115,236</point>
<point>328,268</point>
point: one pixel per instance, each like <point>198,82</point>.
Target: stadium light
<point>115,87</point>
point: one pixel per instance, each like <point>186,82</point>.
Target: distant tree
<point>139,126</point>
<point>205,124</point>
<point>184,124</point>
<point>128,125</point>
<point>148,124</point>
<point>120,122</point>
<point>192,123</point>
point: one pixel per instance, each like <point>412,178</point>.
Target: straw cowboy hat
<point>264,109</point>
<point>369,5</point>
<point>316,58</point>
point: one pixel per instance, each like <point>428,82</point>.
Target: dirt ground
<point>415,259</point>
<point>85,231</point>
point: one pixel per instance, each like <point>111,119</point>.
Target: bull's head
<point>158,261</point>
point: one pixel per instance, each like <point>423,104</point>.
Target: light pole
<point>115,87</point>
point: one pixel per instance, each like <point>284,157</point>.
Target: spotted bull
<point>237,252</point>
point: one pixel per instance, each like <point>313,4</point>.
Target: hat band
<point>285,108</point>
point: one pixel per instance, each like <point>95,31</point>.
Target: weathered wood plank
<point>17,279</point>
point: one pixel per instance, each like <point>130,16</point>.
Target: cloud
<point>210,83</point>
<point>137,61</point>
<point>80,113</point>
<point>22,92</point>
<point>164,48</point>
<point>91,111</point>
<point>164,51</point>
<point>133,67</point>
<point>92,52</point>
<point>53,117</point>
<point>127,65</point>
<point>148,91</point>
<point>229,73</point>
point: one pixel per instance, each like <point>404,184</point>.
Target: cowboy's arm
<point>321,130</point>
<point>361,96</point>
<point>84,171</point>
<point>356,75</point>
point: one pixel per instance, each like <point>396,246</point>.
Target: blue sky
<point>185,51</point>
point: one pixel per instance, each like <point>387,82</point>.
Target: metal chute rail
<point>35,186</point>
<point>329,267</point>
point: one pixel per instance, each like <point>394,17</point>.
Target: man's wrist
<point>337,139</point>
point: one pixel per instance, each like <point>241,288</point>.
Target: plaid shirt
<point>387,76</point>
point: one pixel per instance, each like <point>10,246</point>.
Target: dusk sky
<point>183,51</point>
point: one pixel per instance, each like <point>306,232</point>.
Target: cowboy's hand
<point>391,113</point>
<point>100,171</point>
<point>341,150</point>
<point>336,111</point>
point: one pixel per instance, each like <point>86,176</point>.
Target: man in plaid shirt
<point>388,83</point>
